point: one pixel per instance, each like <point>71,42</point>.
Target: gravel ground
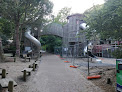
<point>52,75</point>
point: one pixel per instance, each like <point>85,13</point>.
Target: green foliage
<point>24,13</point>
<point>62,15</point>
<point>117,53</point>
<point>50,42</point>
<point>6,30</point>
<point>6,27</point>
<point>106,19</point>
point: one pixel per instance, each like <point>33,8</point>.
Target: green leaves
<point>61,17</point>
<point>50,42</point>
<point>106,19</point>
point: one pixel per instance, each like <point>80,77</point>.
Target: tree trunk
<point>1,52</point>
<point>17,40</point>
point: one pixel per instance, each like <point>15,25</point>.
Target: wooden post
<point>33,66</point>
<point>0,88</point>
<point>29,73</point>
<point>24,75</point>
<point>91,59</point>
<point>30,66</point>
<point>3,73</point>
<point>14,59</point>
<point>29,59</point>
<point>25,58</point>
<point>109,81</point>
<point>10,86</point>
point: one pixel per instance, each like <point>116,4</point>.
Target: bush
<point>117,53</point>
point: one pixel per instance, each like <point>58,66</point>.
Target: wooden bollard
<point>14,59</point>
<point>0,88</point>
<point>24,75</point>
<point>10,86</point>
<point>25,58</point>
<point>3,73</point>
<point>33,66</point>
<point>29,59</point>
<point>30,66</point>
<point>91,59</point>
<point>109,81</point>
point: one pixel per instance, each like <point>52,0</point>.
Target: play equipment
<point>119,75</point>
<point>33,40</point>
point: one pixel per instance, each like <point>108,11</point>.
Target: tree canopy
<point>105,20</point>
<point>24,13</point>
<point>61,17</point>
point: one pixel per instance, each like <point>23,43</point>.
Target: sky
<point>77,6</point>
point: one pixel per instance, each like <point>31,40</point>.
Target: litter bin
<point>119,74</point>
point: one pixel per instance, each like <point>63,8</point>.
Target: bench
<point>35,64</point>
<point>25,71</point>
<point>28,70</point>
<point>7,83</point>
<point>26,57</point>
<point>4,82</point>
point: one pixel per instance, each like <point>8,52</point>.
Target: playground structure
<point>28,49</point>
<point>75,43</point>
<point>74,40</point>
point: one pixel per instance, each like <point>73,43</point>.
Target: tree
<point>1,51</point>
<point>51,42</point>
<point>23,13</point>
<point>106,19</point>
<point>6,30</point>
<point>94,20</point>
<point>61,17</point>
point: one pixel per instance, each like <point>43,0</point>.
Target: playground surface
<point>53,75</point>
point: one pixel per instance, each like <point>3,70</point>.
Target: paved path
<point>54,75</point>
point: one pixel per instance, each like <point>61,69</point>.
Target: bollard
<point>29,73</point>
<point>91,59</point>
<point>0,88</point>
<point>24,75</point>
<point>33,66</point>
<point>30,66</point>
<point>10,86</point>
<point>3,73</point>
<point>29,59</point>
<point>14,59</point>
<point>109,81</point>
<point>25,58</point>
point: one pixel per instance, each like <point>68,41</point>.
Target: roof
<point>77,14</point>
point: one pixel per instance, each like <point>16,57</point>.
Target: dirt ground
<point>14,68</point>
<point>106,74</point>
<point>106,71</point>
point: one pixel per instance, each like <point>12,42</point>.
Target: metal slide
<point>33,40</point>
<point>84,26</point>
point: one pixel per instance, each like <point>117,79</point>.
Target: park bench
<point>7,83</point>
<point>4,82</point>
<point>26,57</point>
<point>28,70</point>
<point>25,71</point>
<point>35,64</point>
